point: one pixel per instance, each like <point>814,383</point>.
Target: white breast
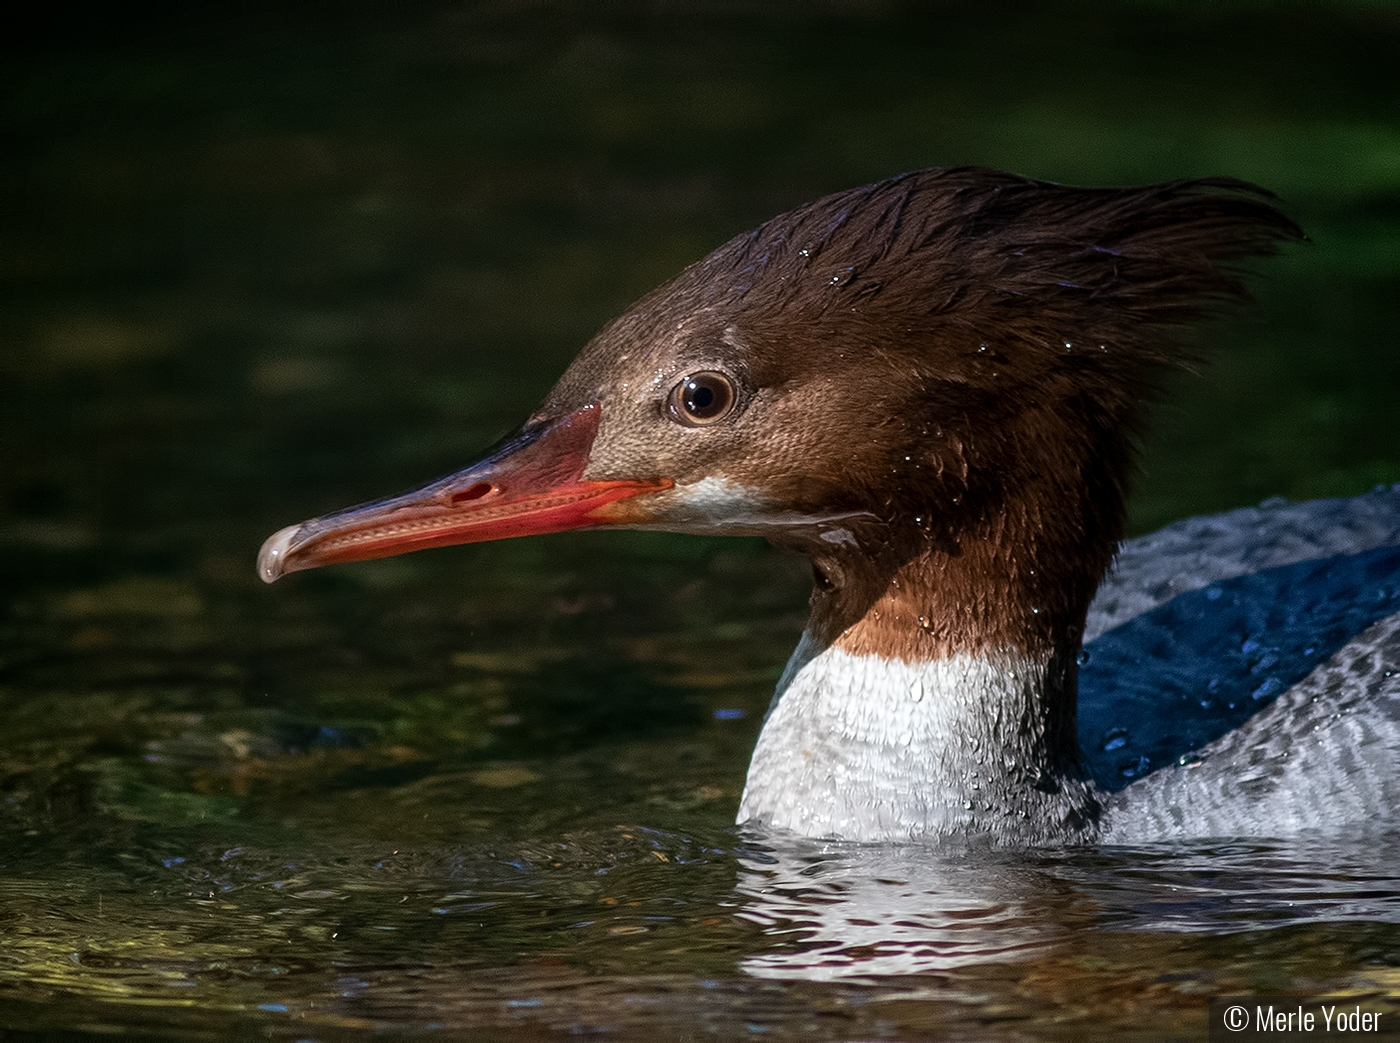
<point>868,748</point>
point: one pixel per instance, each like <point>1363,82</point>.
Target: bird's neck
<point>934,693</point>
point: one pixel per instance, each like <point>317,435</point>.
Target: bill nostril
<point>475,492</point>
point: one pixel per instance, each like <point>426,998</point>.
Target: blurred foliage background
<point>259,261</point>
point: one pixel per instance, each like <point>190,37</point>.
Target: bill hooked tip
<point>272,557</point>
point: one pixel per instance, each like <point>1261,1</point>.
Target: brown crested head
<point>955,359</point>
<point>929,385</point>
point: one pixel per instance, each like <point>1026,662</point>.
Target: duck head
<point>929,386</point>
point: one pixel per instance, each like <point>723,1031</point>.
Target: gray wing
<point>1323,757</point>
<point>1190,554</point>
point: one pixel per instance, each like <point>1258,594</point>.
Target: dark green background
<point>260,262</point>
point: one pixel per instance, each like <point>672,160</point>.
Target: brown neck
<point>1011,572</point>
<point>1014,572</point>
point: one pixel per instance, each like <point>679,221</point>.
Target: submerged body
<point>929,387</point>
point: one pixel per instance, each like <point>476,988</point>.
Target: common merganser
<point>929,386</point>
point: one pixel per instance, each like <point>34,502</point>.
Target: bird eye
<point>701,398</point>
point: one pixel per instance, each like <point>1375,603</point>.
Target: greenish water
<point>259,266</point>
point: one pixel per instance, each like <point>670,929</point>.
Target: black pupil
<point>701,397</point>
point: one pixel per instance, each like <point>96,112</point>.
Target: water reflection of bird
<point>839,911</point>
<point>929,386</point>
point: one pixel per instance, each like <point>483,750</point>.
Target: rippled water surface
<point>257,266</point>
